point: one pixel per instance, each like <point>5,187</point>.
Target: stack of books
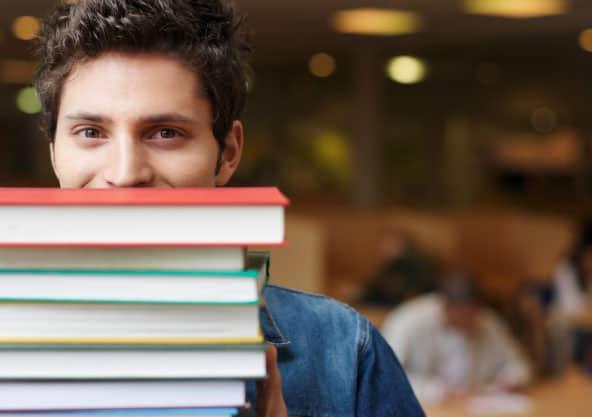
<point>133,301</point>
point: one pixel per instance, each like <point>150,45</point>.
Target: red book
<point>141,217</point>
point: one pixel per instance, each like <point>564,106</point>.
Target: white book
<point>128,323</point>
<point>30,396</point>
<point>230,362</point>
<point>141,217</point>
<point>231,258</point>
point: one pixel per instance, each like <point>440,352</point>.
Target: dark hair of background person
<point>405,270</point>
<point>582,245</point>
<point>461,289</point>
<point>208,36</point>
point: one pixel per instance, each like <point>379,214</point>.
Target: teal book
<point>137,286</point>
<point>133,307</point>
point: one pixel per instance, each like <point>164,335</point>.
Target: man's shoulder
<point>330,341</point>
<point>287,301</point>
<point>294,311</point>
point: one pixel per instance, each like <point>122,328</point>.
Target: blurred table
<point>569,395</point>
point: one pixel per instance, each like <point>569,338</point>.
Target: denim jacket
<point>333,362</point>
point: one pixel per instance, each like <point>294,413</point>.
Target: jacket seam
<point>314,295</point>
<point>281,339</point>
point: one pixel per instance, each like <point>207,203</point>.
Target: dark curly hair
<point>207,35</point>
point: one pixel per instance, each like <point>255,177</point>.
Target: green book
<point>137,286</point>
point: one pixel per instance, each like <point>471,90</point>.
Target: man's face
<point>139,120</point>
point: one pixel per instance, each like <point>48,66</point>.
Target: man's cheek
<point>190,170</point>
<point>75,171</point>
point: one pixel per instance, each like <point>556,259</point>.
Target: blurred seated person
<point>451,345</point>
<point>573,278</point>
<point>571,313</point>
<point>404,271</point>
<point>528,322</point>
<point>583,349</point>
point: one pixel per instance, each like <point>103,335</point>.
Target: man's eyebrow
<point>151,119</point>
<point>97,118</point>
<point>166,117</point>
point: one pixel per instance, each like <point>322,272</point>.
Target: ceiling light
<point>382,22</point>
<point>516,8</point>
<point>26,27</point>
<point>321,65</point>
<point>27,101</point>
<point>407,69</point>
<point>585,40</point>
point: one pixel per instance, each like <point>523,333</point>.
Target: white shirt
<point>438,358</point>
<point>571,300</point>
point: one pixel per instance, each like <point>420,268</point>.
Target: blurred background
<point>460,127</point>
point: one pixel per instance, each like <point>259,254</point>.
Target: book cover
<point>221,196</point>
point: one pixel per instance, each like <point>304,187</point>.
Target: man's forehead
<point>135,68</point>
<point>136,85</point>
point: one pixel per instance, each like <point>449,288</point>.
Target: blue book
<point>151,412</point>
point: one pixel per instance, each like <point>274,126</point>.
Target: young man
<point>148,93</point>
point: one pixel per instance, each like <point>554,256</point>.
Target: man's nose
<point>128,164</point>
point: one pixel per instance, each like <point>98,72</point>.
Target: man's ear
<point>231,156</point>
<point>52,158</point>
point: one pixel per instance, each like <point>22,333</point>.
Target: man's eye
<point>167,133</point>
<point>89,133</point>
